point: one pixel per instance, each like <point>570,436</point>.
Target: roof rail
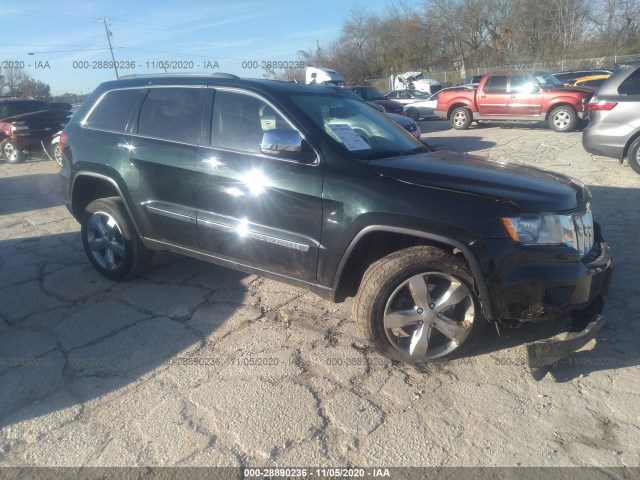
<point>214,75</point>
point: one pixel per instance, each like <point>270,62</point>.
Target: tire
<point>416,285</point>
<point>10,153</point>
<point>461,118</point>
<point>563,119</point>
<point>110,241</point>
<point>413,113</point>
<point>633,157</point>
<point>57,154</point>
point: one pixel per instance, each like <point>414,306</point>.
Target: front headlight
<point>542,229</point>
<point>575,230</point>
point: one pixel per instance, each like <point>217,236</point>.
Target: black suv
<point>309,186</point>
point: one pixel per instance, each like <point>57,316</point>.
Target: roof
<point>213,80</point>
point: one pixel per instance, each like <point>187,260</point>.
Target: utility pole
<point>106,29</point>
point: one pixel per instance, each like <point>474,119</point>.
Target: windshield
<point>356,127</point>
<point>418,93</point>
<point>369,94</point>
<point>547,80</point>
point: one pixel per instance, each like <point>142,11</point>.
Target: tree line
<point>462,34</point>
<point>16,82</point>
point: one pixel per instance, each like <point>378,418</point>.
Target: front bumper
<point>585,325</point>
<point>534,284</point>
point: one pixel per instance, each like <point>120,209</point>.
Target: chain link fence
<point>453,76</point>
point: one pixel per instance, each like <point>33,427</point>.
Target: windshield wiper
<point>392,153</point>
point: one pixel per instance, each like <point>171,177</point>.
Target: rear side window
<point>631,85</point>
<point>115,110</point>
<point>172,114</point>
<point>496,84</point>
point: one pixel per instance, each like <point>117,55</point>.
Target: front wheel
<point>563,119</point>
<point>11,153</point>
<point>110,241</point>
<point>413,113</point>
<point>634,155</point>
<point>418,304</point>
<point>461,118</point>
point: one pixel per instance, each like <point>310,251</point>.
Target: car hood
<point>390,105</point>
<point>530,189</point>
<point>53,114</point>
<point>401,120</point>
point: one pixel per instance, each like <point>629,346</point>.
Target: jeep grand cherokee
<point>306,185</point>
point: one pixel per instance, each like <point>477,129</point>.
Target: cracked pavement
<point>196,365</point>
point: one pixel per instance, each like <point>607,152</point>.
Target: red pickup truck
<point>518,96</point>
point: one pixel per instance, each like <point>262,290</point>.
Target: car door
<point>162,153</point>
<point>493,99</point>
<point>256,209</point>
<point>525,96</point>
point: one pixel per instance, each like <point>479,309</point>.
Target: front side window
<point>172,114</point>
<point>523,84</point>
<point>114,111</point>
<point>239,121</point>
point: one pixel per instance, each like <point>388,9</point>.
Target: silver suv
<point>614,124</point>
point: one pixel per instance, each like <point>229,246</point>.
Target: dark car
<point>309,186</point>
<point>614,123</point>
<point>569,76</point>
<point>25,124</point>
<point>371,95</point>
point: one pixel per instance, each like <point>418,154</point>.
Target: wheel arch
<point>559,103</point>
<point>90,186</point>
<point>457,104</point>
<point>376,241</point>
<point>632,139</point>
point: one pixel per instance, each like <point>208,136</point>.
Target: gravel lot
<point>196,365</point>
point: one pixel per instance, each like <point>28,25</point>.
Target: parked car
<point>405,122</point>
<point>426,108</point>
<point>309,186</point>
<point>591,81</point>
<point>54,150</point>
<point>471,80</point>
<point>25,123</point>
<point>568,76</point>
<point>518,96</point>
<point>406,96</point>
<point>371,95</point>
<point>614,123</point>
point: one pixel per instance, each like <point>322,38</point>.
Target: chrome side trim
<point>170,214</point>
<point>301,247</point>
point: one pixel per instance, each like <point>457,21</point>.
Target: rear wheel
<point>10,153</point>
<point>111,242</point>
<point>634,155</point>
<point>418,304</point>
<point>461,118</point>
<point>563,119</point>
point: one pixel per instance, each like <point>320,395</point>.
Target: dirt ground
<point>196,365</point>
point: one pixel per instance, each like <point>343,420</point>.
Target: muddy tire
<point>419,304</point>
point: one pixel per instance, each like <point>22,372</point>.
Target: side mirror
<point>286,143</point>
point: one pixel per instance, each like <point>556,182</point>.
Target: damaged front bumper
<point>585,325</point>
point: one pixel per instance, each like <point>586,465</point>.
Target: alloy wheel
<point>106,241</point>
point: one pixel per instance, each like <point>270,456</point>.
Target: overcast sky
<point>54,35</point>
